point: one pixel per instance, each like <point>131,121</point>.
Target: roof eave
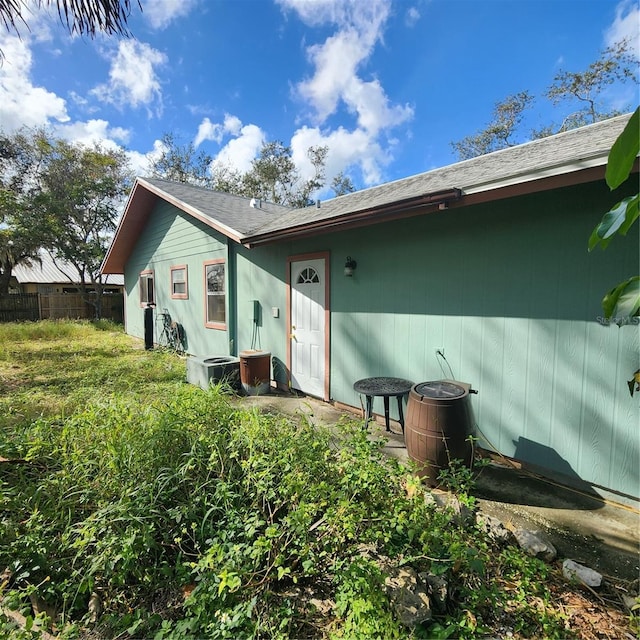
<point>372,215</point>
<point>141,201</point>
<point>192,211</point>
<point>581,172</point>
<point>135,216</point>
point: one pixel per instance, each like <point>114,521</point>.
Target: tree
<point>616,64</point>
<point>225,178</point>
<point>84,17</point>
<point>273,175</point>
<point>507,116</point>
<point>181,163</point>
<point>341,185</point>
<point>20,157</point>
<point>81,191</point>
<point>622,302</point>
<point>60,197</point>
<point>15,248</point>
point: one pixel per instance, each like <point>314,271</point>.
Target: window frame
<point>172,283</point>
<point>147,275</point>
<point>207,323</point>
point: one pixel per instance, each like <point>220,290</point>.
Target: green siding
<point>511,294</point>
<point>171,238</point>
<point>507,289</point>
<point>262,277</point>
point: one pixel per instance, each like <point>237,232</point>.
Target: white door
<point>307,333</point>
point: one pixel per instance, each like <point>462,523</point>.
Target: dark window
<point>308,276</point>
<point>147,294</point>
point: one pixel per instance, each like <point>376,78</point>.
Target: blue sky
<point>387,85</point>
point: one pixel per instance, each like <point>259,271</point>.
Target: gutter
<point>378,213</point>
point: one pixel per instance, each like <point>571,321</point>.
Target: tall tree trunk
<point>5,277</point>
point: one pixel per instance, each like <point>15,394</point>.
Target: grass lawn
<point>137,506</point>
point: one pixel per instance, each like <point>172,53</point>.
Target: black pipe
<point>148,327</point>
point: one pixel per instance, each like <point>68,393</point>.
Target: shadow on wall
<point>280,372</point>
<point>534,486</point>
<point>182,337</point>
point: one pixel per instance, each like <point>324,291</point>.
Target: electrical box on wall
<point>255,307</point>
<point>275,312</point>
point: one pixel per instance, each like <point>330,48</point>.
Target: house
<point>484,261</point>
<point>57,283</point>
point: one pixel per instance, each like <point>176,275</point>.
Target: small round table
<point>385,387</point>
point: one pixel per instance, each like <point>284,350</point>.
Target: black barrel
<point>439,426</point>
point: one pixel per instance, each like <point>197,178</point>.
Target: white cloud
<point>207,130</point>
<point>315,13</point>
<point>244,144</point>
<point>160,13</point>
<point>626,26</point>
<point>411,17</point>
<point>22,103</point>
<point>346,149</point>
<point>92,132</point>
<point>132,79</point>
<point>216,132</point>
<point>337,83</point>
<point>370,102</point>
<point>38,20</point>
<point>337,61</point>
<point>239,152</point>
<point>140,163</point>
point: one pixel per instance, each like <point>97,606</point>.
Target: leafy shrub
<point>185,516</point>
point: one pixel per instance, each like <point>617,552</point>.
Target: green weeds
<point>137,506</point>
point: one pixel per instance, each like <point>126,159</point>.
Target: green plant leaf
<point>624,152</point>
<point>623,301</point>
<point>617,220</point>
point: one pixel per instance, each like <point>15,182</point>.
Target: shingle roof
<point>565,154</point>
<point>230,211</point>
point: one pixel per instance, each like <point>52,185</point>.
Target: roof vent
<point>317,204</point>
<point>256,204</point>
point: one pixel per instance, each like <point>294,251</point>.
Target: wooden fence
<point>40,306</point>
<point>19,306</point>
